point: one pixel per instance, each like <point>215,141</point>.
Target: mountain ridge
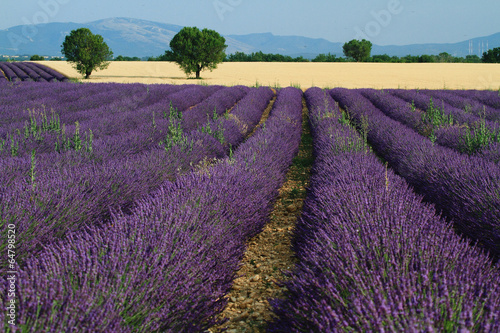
<point>143,38</point>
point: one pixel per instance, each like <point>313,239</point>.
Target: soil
<point>269,253</point>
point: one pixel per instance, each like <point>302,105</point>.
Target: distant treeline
<point>263,57</point>
<point>492,56</point>
<point>442,57</point>
<point>270,57</point>
<point>122,58</point>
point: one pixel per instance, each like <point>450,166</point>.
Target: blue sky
<point>383,22</point>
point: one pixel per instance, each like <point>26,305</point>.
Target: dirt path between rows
<point>269,253</point>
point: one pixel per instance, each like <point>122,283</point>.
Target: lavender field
<point>374,254</point>
<point>29,71</point>
<point>131,205</point>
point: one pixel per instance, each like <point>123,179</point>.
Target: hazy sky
<point>383,22</point>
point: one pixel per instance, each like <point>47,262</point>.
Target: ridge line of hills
<point>142,38</point>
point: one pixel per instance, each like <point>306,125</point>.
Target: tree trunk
<point>198,70</point>
<point>87,75</point>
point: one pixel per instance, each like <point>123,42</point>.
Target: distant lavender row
<point>37,73</point>
<point>423,102</point>
<point>33,73</point>
<point>54,73</point>
<point>168,265</point>
<point>451,136</point>
<point>19,72</point>
<point>217,104</point>
<point>118,170</point>
<point>242,119</point>
<point>82,102</point>
<point>466,104</point>
<point>36,93</point>
<point>60,96</point>
<point>465,188</point>
<point>486,97</point>
<point>8,72</point>
<point>373,257</point>
<point>26,71</point>
<point>112,139</point>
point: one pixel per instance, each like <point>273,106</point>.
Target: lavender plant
<point>110,170</point>
<point>455,137</point>
<point>373,256</point>
<point>167,264</point>
<point>465,188</point>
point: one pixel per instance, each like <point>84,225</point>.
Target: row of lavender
<point>121,166</point>
<point>168,264</point>
<point>445,125</point>
<point>39,123</point>
<point>489,98</point>
<point>465,188</point>
<point>146,115</point>
<point>471,127</point>
<point>373,256</point>
<point>29,71</point>
<point>487,107</point>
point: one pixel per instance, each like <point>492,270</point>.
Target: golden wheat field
<point>305,75</point>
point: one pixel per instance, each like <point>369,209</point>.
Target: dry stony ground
<point>269,254</point>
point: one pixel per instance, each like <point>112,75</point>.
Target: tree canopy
<point>88,52</point>
<point>122,58</point>
<point>492,55</point>
<point>263,57</point>
<point>358,50</point>
<point>196,50</point>
<point>36,57</point>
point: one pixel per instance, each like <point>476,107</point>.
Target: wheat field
<point>304,75</point>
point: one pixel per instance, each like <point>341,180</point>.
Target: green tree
<point>36,57</point>
<point>472,58</point>
<point>492,55</point>
<point>87,52</point>
<point>358,50</point>
<point>380,58</point>
<point>194,50</point>
<point>327,58</point>
<point>122,58</point>
<point>426,58</point>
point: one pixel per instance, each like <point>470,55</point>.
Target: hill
<point>142,38</point>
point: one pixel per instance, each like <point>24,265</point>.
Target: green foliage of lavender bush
<point>436,116</point>
<point>175,133</point>
<point>479,137</point>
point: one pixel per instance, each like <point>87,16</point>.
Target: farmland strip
<point>490,98</point>
<point>372,256</point>
<point>269,253</point>
<point>18,71</point>
<point>466,104</point>
<point>425,102</point>
<point>464,139</point>
<point>30,72</point>
<point>43,74</point>
<point>214,106</point>
<point>3,77</point>
<point>9,73</point>
<point>168,265</point>
<point>54,73</point>
<point>87,190</point>
<point>465,188</point>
